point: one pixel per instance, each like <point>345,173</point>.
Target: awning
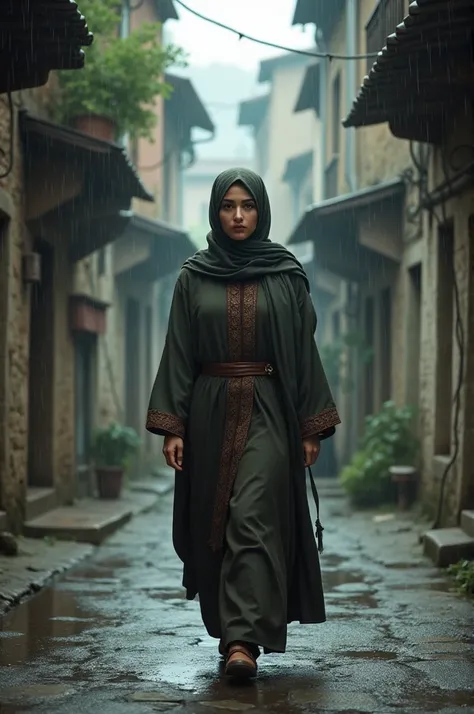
<point>149,249</point>
<point>36,37</point>
<point>76,186</point>
<point>309,96</point>
<point>425,71</point>
<point>252,111</point>
<point>185,104</point>
<point>107,166</point>
<point>323,13</point>
<point>298,166</point>
<point>344,231</point>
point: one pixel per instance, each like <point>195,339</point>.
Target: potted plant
<point>112,448</point>
<point>383,467</point>
<point>114,94</point>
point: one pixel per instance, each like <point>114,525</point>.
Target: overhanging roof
<point>37,37</point>
<point>185,104</point>
<point>298,166</point>
<point>425,70</point>
<point>150,248</point>
<point>166,10</point>
<point>309,96</point>
<point>323,13</point>
<point>107,163</point>
<point>333,227</point>
<point>252,111</point>
<point>288,59</point>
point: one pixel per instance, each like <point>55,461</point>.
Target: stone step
<point>39,501</point>
<point>87,521</point>
<point>467,522</point>
<point>447,545</point>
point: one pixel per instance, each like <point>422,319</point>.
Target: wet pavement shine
<point>115,635</point>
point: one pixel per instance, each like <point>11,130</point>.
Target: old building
<point>361,228</point>
<point>421,89</point>
<point>36,256</point>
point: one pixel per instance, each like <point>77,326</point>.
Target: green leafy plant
<point>122,77</point>
<point>463,573</point>
<point>114,445</point>
<point>388,440</point>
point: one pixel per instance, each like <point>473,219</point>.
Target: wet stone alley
<point>115,635</point>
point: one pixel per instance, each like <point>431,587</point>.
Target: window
<point>385,345</point>
<point>444,339</point>
<point>101,262</point>
<point>336,114</point>
<point>369,368</point>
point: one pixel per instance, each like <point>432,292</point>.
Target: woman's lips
<point>239,229</point>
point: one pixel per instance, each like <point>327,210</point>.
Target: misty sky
<point>206,43</point>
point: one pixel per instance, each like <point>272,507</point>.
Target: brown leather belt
<point>238,369</point>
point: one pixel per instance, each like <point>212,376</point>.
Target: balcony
<point>330,179</point>
<point>385,18</point>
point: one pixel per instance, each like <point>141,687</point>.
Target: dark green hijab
<point>228,259</point>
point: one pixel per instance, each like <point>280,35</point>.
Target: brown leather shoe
<point>241,663</point>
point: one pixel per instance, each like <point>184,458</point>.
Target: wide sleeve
<point>317,412</point>
<point>171,394</point>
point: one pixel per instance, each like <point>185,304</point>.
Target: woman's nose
<point>238,213</point>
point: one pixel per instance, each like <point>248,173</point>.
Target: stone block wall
<point>14,330</point>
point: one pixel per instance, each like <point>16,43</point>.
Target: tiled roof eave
<point>427,34</point>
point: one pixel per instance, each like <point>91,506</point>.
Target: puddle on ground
<point>368,654</point>
<point>51,614</point>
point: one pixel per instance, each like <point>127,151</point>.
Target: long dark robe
<point>241,522</point>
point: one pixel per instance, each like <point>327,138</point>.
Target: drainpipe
<point>351,177</point>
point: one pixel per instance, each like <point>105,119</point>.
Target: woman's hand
<point>311,449</point>
<point>173,452</point>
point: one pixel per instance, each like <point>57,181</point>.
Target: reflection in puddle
<point>51,614</point>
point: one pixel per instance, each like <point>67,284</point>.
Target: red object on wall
<point>87,314</point>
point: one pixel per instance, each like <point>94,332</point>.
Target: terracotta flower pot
<point>97,126</point>
<point>109,482</point>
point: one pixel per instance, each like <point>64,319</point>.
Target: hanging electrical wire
<point>243,36</point>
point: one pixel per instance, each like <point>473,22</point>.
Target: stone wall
<point>14,332</point>
<point>435,363</point>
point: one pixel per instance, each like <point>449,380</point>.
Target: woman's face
<point>238,213</point>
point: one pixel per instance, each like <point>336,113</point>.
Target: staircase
<point>448,545</point>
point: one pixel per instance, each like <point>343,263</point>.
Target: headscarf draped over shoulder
<point>231,260</point>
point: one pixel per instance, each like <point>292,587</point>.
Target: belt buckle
<point>269,369</point>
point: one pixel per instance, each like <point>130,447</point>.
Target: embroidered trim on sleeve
<point>319,423</point>
<point>164,423</point>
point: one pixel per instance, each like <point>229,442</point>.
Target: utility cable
<point>243,36</point>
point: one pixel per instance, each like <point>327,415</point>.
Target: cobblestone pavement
<point>116,636</point>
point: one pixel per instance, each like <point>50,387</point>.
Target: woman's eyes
<point>245,206</point>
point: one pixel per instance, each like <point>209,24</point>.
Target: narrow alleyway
<point>115,635</point>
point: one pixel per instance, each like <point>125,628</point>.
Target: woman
<point>243,402</point>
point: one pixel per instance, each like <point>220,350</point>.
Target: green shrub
<point>114,445</point>
<point>463,573</point>
<point>388,441</point>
